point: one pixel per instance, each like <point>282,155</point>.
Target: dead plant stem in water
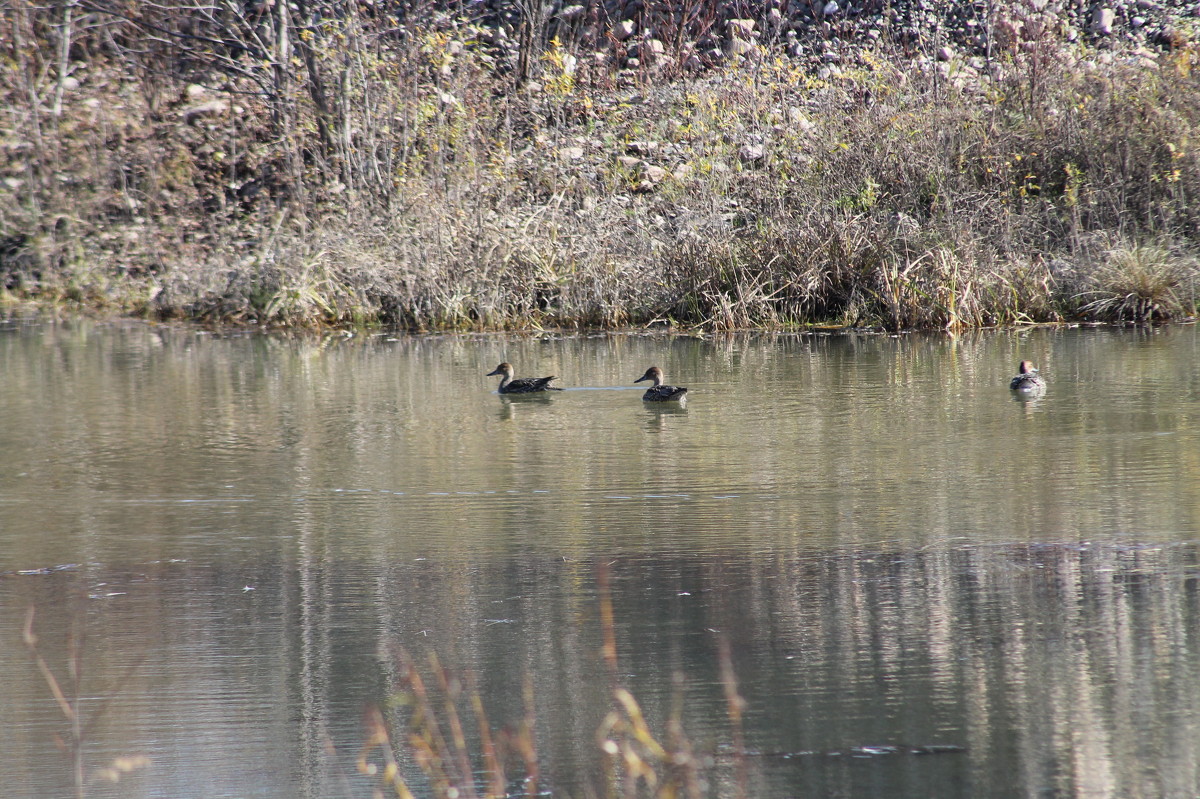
<point>451,692</point>
<point>68,707</point>
<point>735,705</point>
<point>68,701</point>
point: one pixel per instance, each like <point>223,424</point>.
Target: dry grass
<point>1143,283</point>
<point>405,179</point>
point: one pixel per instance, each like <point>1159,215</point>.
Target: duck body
<point>660,392</point>
<point>1028,380</point>
<point>521,385</point>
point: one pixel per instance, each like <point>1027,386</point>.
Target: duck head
<point>505,369</point>
<point>654,374</point>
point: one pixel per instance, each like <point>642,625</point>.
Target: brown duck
<point>658,392</point>
<point>1027,380</point>
<point>522,385</point>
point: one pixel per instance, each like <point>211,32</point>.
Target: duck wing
<point>524,385</point>
<point>664,393</point>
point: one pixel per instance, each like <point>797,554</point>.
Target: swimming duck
<point>658,392</point>
<point>522,385</point>
<point>1027,380</point>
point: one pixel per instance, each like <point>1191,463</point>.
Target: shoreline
<point>882,168</point>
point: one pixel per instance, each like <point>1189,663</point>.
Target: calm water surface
<point>231,537</point>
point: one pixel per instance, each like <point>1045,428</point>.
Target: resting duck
<point>1027,380</point>
<point>522,385</point>
<point>658,392</point>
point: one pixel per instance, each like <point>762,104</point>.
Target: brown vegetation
<point>478,762</point>
<point>343,163</point>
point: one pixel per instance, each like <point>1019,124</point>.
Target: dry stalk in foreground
<point>473,763</point>
<point>68,700</point>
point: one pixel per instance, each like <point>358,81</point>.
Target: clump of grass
<point>1142,283</point>
<point>854,271</point>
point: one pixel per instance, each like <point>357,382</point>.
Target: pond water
<point>229,541</point>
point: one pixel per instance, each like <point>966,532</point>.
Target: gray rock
<point>210,109</point>
<point>648,51</point>
<point>624,29</point>
<point>751,152</point>
<point>741,28</point>
<point>1102,21</point>
<point>654,174</point>
<point>572,13</point>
